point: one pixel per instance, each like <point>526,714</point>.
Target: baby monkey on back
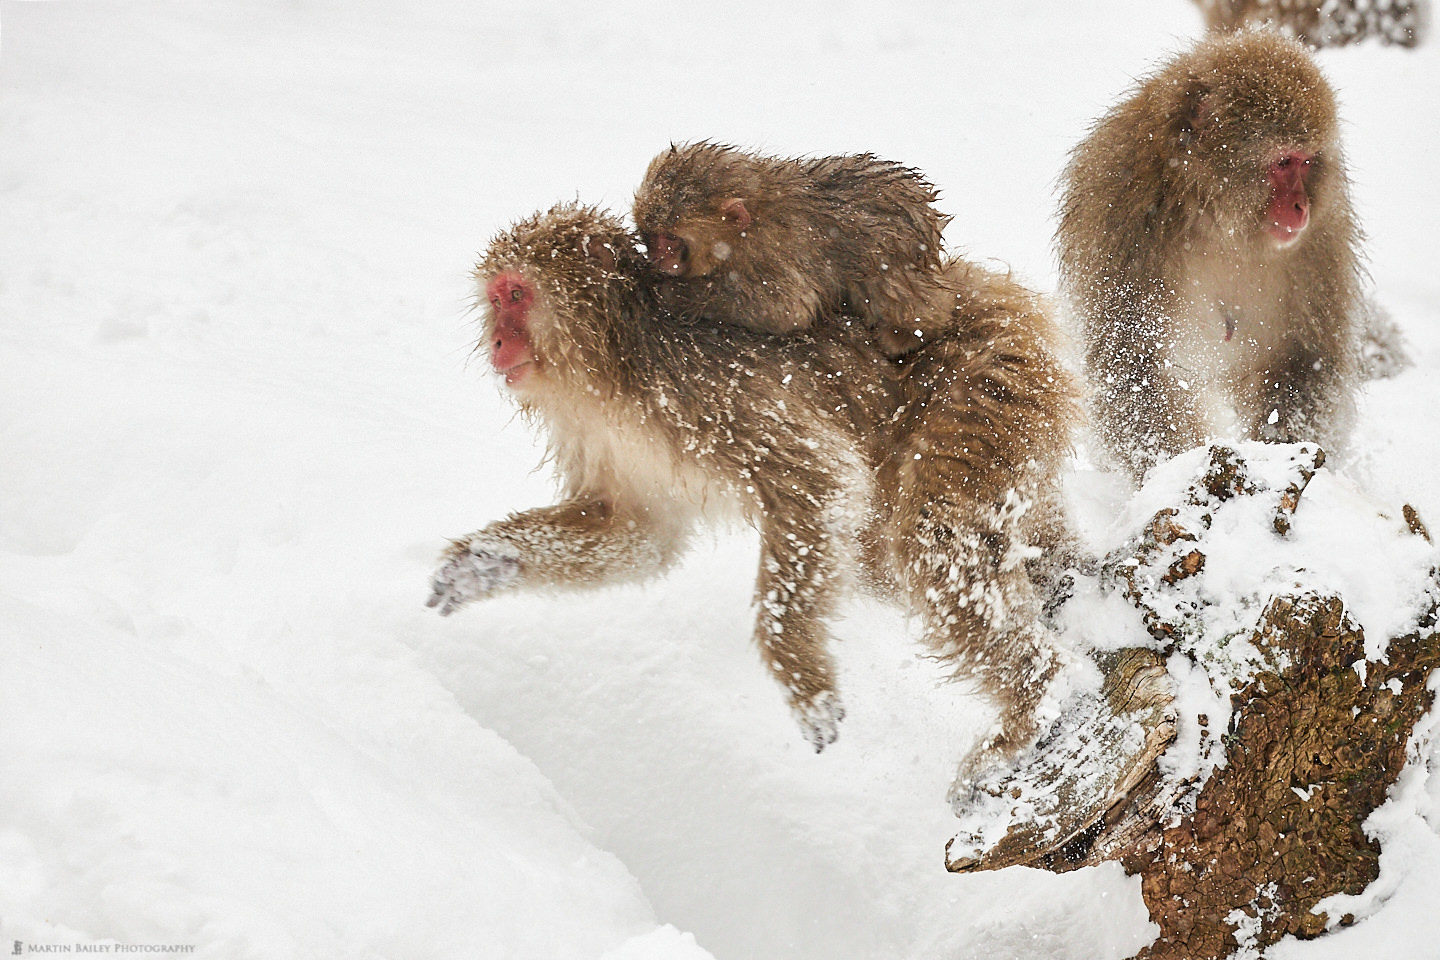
<point>777,245</point>
<point>967,483</point>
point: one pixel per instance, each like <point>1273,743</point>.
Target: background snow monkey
<point>969,484</point>
<point>656,421</point>
<point>1207,245</point>
<point>1324,23</point>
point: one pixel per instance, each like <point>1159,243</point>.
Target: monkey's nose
<point>1301,217</point>
<point>509,345</point>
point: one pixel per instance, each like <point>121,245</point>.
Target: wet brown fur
<point>936,475</point>
<point>830,236</point>
<point>968,488</point>
<point>971,514</point>
<point>656,422</point>
<point>1161,248</point>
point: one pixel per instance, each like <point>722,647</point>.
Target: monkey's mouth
<point>1283,234</point>
<point>519,373</point>
<point>668,254</point>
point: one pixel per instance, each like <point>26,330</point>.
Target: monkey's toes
<point>819,718</point>
<point>978,783</point>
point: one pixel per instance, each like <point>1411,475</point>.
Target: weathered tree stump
<point>1242,827</point>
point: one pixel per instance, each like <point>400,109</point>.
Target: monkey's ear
<point>595,248</point>
<point>1199,107</point>
<point>735,211</point>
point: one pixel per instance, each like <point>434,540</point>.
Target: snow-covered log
<point>1296,622</point>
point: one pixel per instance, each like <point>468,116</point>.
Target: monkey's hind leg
<point>960,558</point>
<point>963,569</point>
<point>966,493</point>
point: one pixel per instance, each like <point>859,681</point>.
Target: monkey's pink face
<point>1288,211</point>
<point>696,248</point>
<point>668,253</point>
<point>512,348</point>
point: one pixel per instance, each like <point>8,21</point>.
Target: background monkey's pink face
<point>1288,211</point>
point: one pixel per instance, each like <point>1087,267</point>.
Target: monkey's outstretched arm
<point>576,543</point>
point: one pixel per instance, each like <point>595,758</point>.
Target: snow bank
<point>153,796</point>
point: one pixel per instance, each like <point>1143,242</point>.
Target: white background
<point>239,418</point>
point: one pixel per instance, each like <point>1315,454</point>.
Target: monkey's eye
<point>516,294</point>
<point>495,301</point>
<point>1283,162</point>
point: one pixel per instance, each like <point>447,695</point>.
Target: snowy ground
<point>239,420</point>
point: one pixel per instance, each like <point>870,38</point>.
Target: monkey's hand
<point>471,570</point>
<point>819,717</point>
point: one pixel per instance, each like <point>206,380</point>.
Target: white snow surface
<point>240,419</point>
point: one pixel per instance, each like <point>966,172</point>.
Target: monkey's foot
<point>1383,351</point>
<point>470,572</point>
<point>819,718</point>
<point>1054,799</point>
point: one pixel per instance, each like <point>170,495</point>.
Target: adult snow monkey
<point>1207,245</point>
<point>821,244</point>
<point>656,422</point>
<point>654,425</point>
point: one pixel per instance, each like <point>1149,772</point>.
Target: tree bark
<point>1315,739</point>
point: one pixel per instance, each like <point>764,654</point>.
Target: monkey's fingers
<point>473,575</point>
<point>444,598</point>
<point>820,717</point>
<point>441,593</point>
<point>439,585</point>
